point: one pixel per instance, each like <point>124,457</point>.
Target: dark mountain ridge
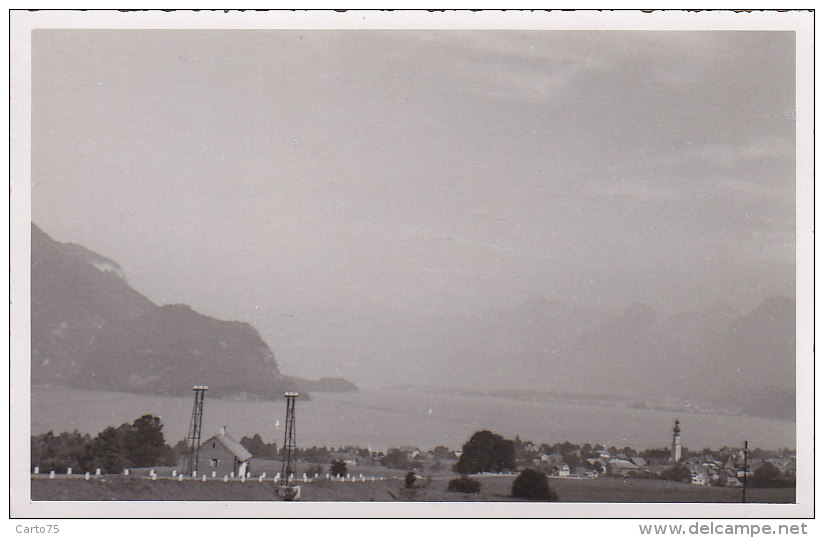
<point>91,330</point>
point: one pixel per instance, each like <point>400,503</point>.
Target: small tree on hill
<point>533,485</point>
<point>486,452</point>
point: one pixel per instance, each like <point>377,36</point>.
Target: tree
<point>140,444</point>
<point>572,459</point>
<point>144,442</point>
<point>338,468</point>
<point>767,475</point>
<point>109,453</point>
<point>597,466</point>
<point>629,452</point>
<point>59,452</point>
<point>533,485</point>
<point>677,473</point>
<point>486,452</point>
<point>180,451</point>
<point>396,459</point>
<point>259,448</point>
<point>316,454</point>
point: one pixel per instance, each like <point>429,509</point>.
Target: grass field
<point>493,488</point>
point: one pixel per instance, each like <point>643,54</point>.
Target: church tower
<point>676,442</point>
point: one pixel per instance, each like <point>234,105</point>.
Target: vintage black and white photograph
<point>523,263</point>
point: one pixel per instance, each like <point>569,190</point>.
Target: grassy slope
<point>493,489</point>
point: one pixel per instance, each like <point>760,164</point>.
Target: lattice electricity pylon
<point>289,444</point>
<point>193,439</point>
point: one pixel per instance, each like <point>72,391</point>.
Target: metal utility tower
<point>195,425</point>
<point>289,439</point>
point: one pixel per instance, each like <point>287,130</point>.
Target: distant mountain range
<point>712,359</point>
<point>91,330</point>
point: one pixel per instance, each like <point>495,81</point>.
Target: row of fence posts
<point>87,475</point>
<point>353,478</point>
<point>231,476</point>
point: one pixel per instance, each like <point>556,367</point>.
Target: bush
<point>314,470</point>
<point>464,484</point>
<point>409,481</point>
<point>533,485</point>
<point>338,468</point>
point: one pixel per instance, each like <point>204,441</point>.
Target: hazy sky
<point>333,187</point>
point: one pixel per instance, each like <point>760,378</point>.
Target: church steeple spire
<point>676,441</point>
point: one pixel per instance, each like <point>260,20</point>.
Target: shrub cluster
<point>768,475</point>
<point>139,444</point>
<point>464,484</point>
<point>533,485</point>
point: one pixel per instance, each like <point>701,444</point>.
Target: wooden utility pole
<point>744,483</point>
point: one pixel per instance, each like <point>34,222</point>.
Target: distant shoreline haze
<point>386,418</point>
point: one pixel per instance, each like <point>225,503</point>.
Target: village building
<point>552,459</point>
<point>529,446</point>
<point>563,470</point>
<point>580,471</point>
<point>699,479</point>
<point>598,464</point>
<point>224,455</point>
<point>639,462</point>
<point>412,452</point>
<point>618,467</point>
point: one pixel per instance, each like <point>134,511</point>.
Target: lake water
<point>383,418</point>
